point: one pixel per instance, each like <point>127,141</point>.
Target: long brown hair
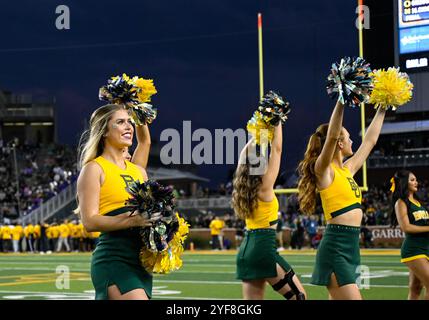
<point>245,191</point>
<point>307,182</point>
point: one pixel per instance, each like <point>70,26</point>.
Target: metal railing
<point>216,202</point>
<point>412,159</point>
<point>55,204</point>
<point>222,202</point>
<point>52,206</point>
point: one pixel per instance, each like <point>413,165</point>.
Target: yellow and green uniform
<point>257,256</point>
<point>338,251</point>
<point>116,258</point>
<point>342,195</point>
<point>416,245</point>
<point>113,192</point>
<point>265,215</point>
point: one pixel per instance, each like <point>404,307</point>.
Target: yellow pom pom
<point>260,129</point>
<point>145,88</point>
<point>391,88</point>
<point>169,259</point>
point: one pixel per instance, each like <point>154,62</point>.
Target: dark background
<point>202,55</point>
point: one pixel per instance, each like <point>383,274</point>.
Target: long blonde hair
<point>245,191</point>
<point>91,143</point>
<point>307,182</point>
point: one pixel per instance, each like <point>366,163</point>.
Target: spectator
<point>311,228</point>
<point>29,237</point>
<point>43,240</point>
<point>239,231</point>
<point>297,240</point>
<point>17,233</point>
<point>216,226</point>
<point>6,233</point>
<point>36,236</point>
<point>366,237</point>
<point>315,241</point>
<point>63,240</point>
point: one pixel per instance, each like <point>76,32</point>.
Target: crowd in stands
<point>42,173</point>
<point>398,147</point>
<point>45,171</point>
<point>376,205</point>
<point>66,236</point>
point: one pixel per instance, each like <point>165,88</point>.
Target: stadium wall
<point>382,237</point>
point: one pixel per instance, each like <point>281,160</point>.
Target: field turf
<point>204,275</point>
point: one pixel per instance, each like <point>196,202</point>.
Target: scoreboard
<point>413,31</point>
<point>412,48</point>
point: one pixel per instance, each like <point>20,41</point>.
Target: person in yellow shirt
<point>55,233</point>
<point>63,239</point>
<point>104,177</point>
<point>36,235</point>
<point>49,246</point>
<point>6,232</point>
<point>29,237</point>
<point>327,170</point>
<point>254,202</point>
<point>74,236</point>
<point>17,233</point>
<point>216,226</point>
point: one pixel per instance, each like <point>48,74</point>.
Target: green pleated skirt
<point>258,256</point>
<point>115,261</point>
<point>338,253</point>
<point>415,246</point>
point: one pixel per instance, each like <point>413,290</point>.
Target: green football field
<point>204,275</point>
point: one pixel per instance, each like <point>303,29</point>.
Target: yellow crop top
<point>342,195</point>
<point>265,215</point>
<point>113,193</point>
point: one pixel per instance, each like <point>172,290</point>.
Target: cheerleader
<point>116,269</point>
<point>413,219</point>
<point>324,171</point>
<point>254,201</point>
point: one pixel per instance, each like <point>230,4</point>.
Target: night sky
<point>202,56</point>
